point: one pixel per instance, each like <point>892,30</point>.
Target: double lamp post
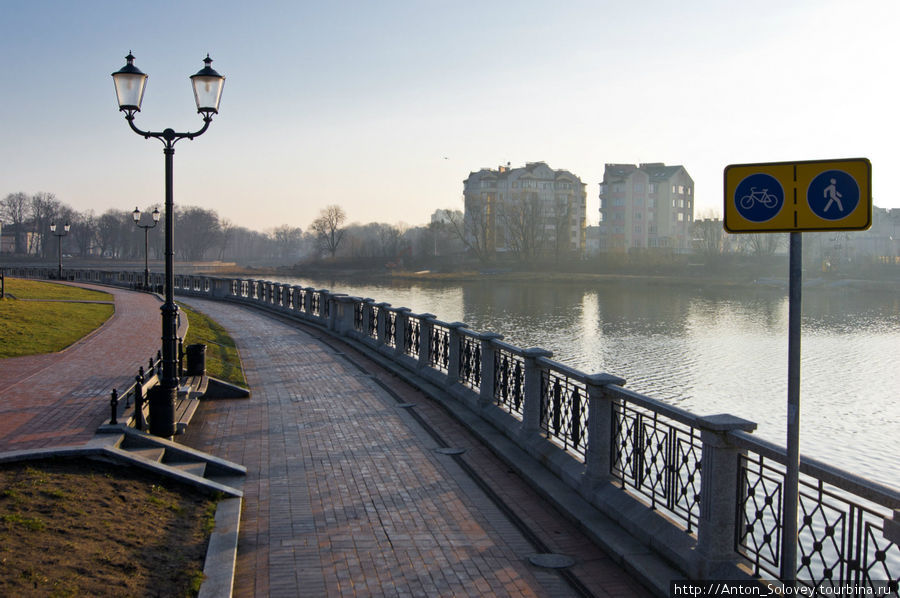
<point>59,236</point>
<point>207,84</point>
<point>136,215</point>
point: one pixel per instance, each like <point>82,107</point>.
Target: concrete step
<point>232,481</point>
<point>177,458</point>
<point>151,454</point>
<point>196,468</point>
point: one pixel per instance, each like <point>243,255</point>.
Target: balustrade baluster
<point>426,325</point>
<point>598,459</point>
<point>717,533</point>
<point>531,392</point>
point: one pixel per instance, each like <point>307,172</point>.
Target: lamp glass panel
<point>130,89</point>
<point>207,92</point>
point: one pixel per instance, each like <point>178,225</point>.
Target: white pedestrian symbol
<point>834,196</point>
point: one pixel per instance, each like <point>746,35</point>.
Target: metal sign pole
<point>791,493</point>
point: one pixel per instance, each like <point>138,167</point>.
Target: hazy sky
<point>384,107</point>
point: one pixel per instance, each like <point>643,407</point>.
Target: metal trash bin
<point>196,359</point>
<point>162,412</point>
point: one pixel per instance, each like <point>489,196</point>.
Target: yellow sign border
<point>795,178</point>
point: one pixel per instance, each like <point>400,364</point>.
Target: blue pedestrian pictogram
<point>833,195</point>
<point>759,197</point>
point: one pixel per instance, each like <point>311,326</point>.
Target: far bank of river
<point>695,278</point>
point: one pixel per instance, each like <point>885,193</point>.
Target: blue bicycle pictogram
<point>759,197</point>
<point>833,195</point>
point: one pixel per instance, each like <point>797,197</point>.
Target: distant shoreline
<point>699,280</point>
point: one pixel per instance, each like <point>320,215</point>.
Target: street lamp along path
<point>136,215</point>
<point>130,83</point>
<point>59,236</point>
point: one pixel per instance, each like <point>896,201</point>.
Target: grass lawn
<point>222,358</point>
<point>37,327</point>
<point>33,289</point>
<point>81,528</point>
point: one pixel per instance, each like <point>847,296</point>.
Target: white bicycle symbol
<point>764,197</point>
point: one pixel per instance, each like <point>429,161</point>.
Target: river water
<point>706,350</point>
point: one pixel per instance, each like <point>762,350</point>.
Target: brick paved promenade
<point>346,495</point>
<point>61,398</point>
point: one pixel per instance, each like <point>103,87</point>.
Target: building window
<point>639,187</point>
<point>638,216</point>
<point>651,188</point>
<point>680,217</point>
<point>637,228</point>
<point>651,203</point>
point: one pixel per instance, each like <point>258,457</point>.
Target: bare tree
<point>227,228</point>
<point>287,240</point>
<point>198,231</point>
<point>14,210</point>
<point>474,228</point>
<point>562,224</point>
<point>390,237</point>
<point>523,222</point>
<point>112,228</point>
<point>708,237</point>
<point>327,228</point>
<point>44,211</point>
<point>764,244</point>
<point>84,231</point>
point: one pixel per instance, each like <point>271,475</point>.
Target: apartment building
<point>531,211</point>
<point>646,206</point>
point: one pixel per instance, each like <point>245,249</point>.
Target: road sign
<point>798,196</point>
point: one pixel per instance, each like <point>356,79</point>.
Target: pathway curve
<point>346,495</point>
<point>60,399</point>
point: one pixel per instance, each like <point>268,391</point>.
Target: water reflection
<point>708,351</point>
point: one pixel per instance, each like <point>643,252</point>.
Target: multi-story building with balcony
<point>646,206</point>
<point>531,211</point>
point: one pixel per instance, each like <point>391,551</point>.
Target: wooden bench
<point>190,389</point>
<point>187,399</point>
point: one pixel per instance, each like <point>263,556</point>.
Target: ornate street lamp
<point>59,236</point>
<point>137,221</point>
<point>207,84</point>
